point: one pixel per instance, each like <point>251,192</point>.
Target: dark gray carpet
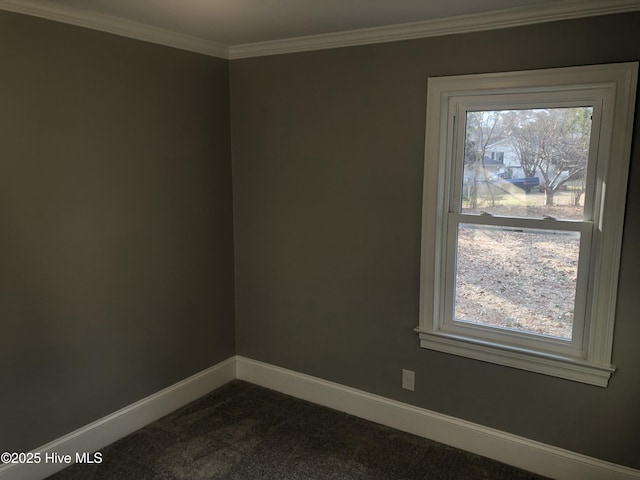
<point>245,432</point>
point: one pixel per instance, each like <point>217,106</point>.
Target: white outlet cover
<point>408,379</point>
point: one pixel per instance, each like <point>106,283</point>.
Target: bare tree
<point>525,140</point>
<point>553,142</point>
<point>482,130</point>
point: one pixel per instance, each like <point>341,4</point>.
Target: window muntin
<point>609,92</point>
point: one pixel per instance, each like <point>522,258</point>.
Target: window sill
<point>578,370</point>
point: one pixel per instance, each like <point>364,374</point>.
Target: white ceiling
<point>219,26</point>
<point>237,22</point>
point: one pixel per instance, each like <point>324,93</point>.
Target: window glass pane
<point>526,163</point>
<point>517,279</point>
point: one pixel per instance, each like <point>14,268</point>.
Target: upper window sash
<point>556,98</point>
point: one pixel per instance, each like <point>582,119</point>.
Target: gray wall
<point>116,241</point>
<point>327,168</point>
<point>116,237</point>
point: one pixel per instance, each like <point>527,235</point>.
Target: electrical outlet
<point>408,380</point>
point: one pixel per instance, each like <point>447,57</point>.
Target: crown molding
<point>116,26</point>
<point>512,17</point>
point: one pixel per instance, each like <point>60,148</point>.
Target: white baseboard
<point>533,456</point>
<point>107,430</point>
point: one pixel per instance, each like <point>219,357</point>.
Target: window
<point>524,194</point>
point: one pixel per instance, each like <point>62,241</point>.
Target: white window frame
<point>610,90</point>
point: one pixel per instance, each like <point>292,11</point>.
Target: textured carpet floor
<point>246,432</point>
